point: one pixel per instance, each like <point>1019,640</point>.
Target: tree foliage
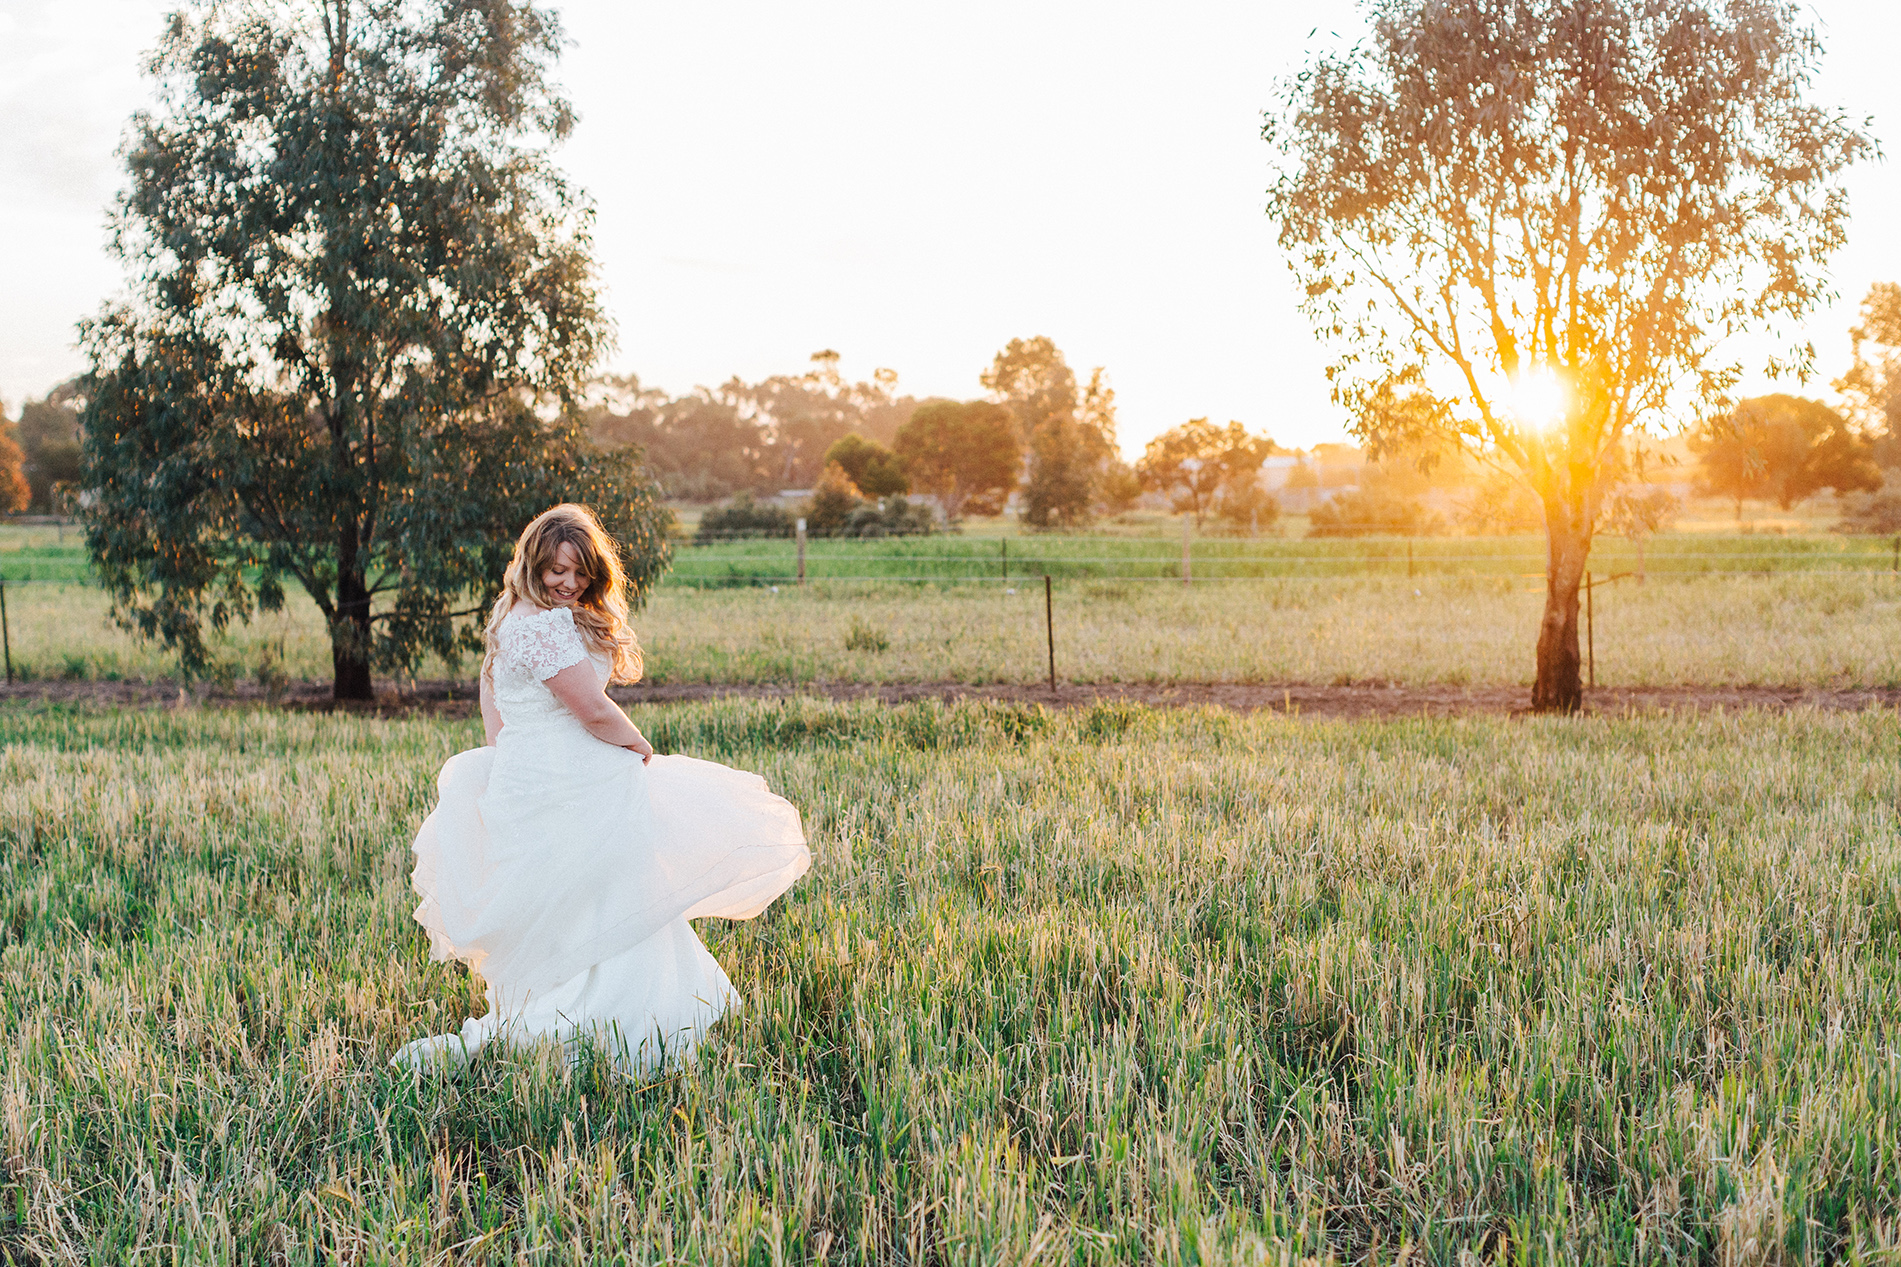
<point>360,292</point>
<point>1069,436</point>
<point>875,469</point>
<point>49,440</point>
<point>1872,386</point>
<point>1493,201</point>
<point>1033,379</point>
<point>14,491</point>
<point>746,437</point>
<point>962,453</point>
<point>1194,462</point>
<point>1782,449</point>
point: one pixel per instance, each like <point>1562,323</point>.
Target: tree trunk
<point>1558,687</point>
<point>350,629</point>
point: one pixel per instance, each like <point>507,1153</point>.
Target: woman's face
<point>562,578</point>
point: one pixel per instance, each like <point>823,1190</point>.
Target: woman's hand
<point>641,746</point>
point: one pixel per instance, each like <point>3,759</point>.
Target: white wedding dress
<point>564,871</point>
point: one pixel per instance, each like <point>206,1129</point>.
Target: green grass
<point>1105,986</point>
<point>1138,560</point>
<point>44,554</point>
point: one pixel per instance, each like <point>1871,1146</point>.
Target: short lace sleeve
<point>542,643</point>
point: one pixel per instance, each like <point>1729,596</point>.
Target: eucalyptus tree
<point>360,302</point>
<point>1529,225</point>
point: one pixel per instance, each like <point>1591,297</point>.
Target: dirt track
<point>1356,700</point>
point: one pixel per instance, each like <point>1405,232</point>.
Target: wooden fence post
<point>801,528</point>
<point>6,634</point>
<point>1049,626</point>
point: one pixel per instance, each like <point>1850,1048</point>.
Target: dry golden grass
<point>1781,629</point>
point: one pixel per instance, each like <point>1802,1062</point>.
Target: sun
<point>1539,399</point>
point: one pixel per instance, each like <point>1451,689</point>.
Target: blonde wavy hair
<point>600,614</point>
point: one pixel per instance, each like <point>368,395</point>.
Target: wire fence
<point>779,562</point>
<point>847,568</point>
<point>952,560</point>
<point>1201,572</point>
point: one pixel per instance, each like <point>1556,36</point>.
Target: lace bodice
<point>531,647</point>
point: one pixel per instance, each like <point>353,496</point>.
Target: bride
<point>563,858</point>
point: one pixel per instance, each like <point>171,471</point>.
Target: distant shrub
<point>743,517</point>
<point>892,517</point>
<point>1501,504</point>
<point>1371,513</point>
<point>833,500</point>
<point>1639,510</point>
<point>839,509</point>
<point>1243,506</point>
<point>1872,514</point>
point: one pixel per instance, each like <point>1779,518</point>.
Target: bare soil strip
<point>1296,699</point>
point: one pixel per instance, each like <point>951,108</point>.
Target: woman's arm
<point>580,693</point>
<point>491,716</point>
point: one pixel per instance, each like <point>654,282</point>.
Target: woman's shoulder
<point>525,615</point>
<point>539,637</point>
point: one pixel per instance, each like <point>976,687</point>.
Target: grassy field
<point>1159,558</point>
<point>1717,610</point>
<point>1786,629</point>
<point>1103,986</point>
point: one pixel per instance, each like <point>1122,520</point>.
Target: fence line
<point>741,580</point>
<point>1031,571</point>
<point>992,559</point>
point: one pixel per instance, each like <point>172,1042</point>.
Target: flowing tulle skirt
<point>564,871</point>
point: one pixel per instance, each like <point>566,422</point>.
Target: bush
<point>1370,513</point>
<point>1244,506</point>
<point>1639,510</point>
<point>892,517</point>
<point>1873,514</point>
<point>743,517</point>
<point>838,509</point>
<point>1501,504</point>
<point>833,501</point>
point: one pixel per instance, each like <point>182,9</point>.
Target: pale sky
<point>911,185</point>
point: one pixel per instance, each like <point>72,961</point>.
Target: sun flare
<point>1539,399</point>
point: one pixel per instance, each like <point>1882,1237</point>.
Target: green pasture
<point>48,554</point>
<point>1093,987</point>
<point>1215,559</point>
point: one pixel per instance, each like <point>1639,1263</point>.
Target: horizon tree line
<point>715,444</point>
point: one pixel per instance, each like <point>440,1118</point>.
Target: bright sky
<point>911,185</point>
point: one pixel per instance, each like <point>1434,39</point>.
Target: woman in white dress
<point>563,858</point>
